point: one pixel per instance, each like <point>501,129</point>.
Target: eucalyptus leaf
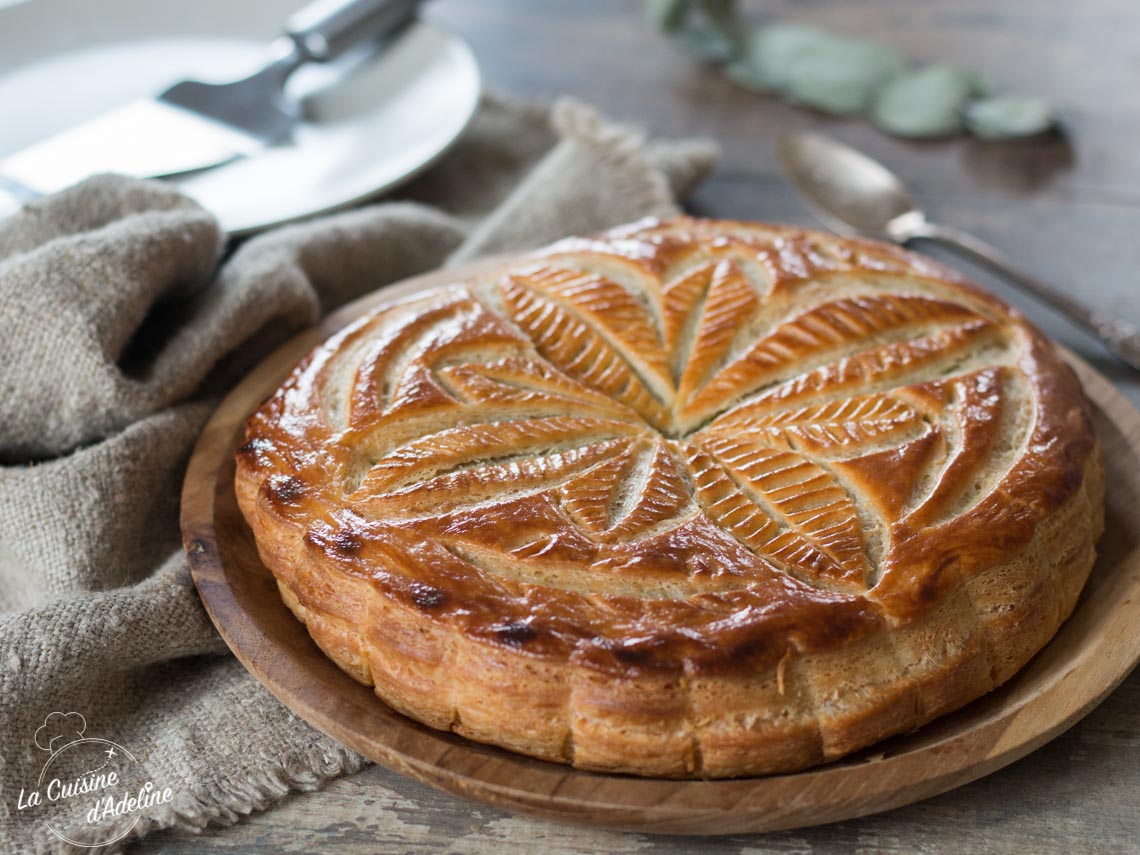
<point>768,53</point>
<point>667,15</point>
<point>707,43</point>
<point>1005,117</point>
<point>744,73</point>
<point>840,75</point>
<point>924,103</point>
<point>847,76</point>
<point>979,86</point>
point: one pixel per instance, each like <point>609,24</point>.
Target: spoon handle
<point>1120,337</point>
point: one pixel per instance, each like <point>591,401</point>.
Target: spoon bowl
<point>851,193</point>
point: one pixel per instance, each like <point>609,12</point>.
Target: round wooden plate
<point>1093,652</point>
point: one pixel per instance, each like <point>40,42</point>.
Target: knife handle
<point>325,29</point>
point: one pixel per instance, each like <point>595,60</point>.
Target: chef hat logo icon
<point>60,729</point>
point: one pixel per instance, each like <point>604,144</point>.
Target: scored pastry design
<point>688,498</point>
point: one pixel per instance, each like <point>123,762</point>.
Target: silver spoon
<point>855,195</point>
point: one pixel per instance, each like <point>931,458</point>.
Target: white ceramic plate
<point>388,117</point>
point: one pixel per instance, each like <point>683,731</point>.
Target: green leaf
<point>840,75</point>
<point>768,52</point>
<point>707,42</point>
<point>744,73</point>
<point>924,103</point>
<point>847,76</point>
<point>1006,117</point>
<point>667,15</point>
<point>979,86</point>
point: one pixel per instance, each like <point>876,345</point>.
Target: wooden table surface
<point>1068,210</point>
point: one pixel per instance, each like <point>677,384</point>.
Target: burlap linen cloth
<point>120,328</point>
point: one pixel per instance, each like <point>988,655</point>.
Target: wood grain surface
<point>1069,210</point>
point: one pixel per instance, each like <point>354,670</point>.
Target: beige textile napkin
<point>122,321</point>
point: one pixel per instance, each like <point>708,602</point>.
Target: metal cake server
<point>195,125</point>
<point>855,195</point>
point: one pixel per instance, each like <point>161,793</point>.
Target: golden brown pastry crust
<point>690,498</point>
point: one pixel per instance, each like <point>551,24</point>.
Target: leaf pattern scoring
<point>711,388</point>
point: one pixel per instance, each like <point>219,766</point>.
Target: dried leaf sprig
<point>846,76</point>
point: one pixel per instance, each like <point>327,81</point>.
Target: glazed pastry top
<point>682,445</point>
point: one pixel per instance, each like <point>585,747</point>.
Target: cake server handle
<point>327,28</point>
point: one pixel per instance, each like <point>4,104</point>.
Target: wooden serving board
<point>1093,652</point>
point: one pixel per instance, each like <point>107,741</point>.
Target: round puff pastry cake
<point>688,499</point>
